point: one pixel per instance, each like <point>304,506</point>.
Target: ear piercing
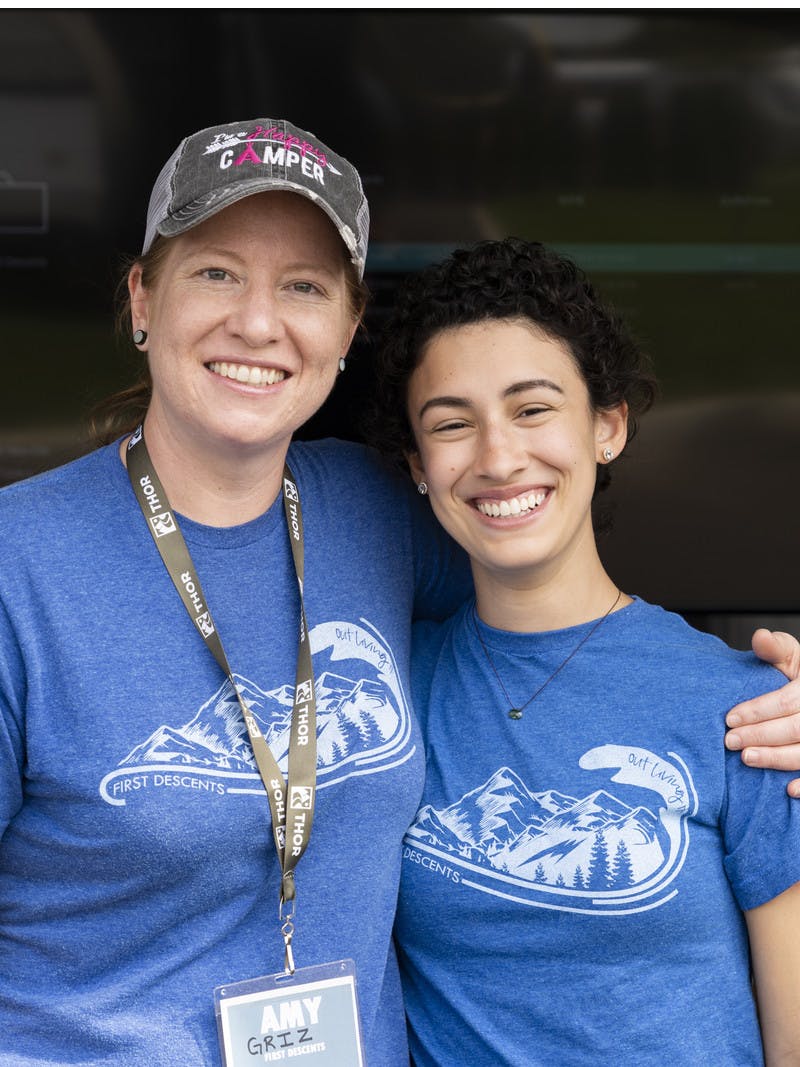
<point>342,364</point>
<point>608,455</point>
<point>139,337</point>
<point>422,488</point>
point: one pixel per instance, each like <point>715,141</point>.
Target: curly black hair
<point>510,279</point>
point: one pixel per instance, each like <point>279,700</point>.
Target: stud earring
<point>608,455</point>
<point>422,488</point>
<point>139,337</point>
<point>342,364</point>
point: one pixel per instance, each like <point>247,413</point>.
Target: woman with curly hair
<point>588,864</point>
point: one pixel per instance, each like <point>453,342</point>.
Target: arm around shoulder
<point>774,930</point>
<point>766,729</point>
<point>12,740</point>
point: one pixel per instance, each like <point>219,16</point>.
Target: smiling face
<point>247,320</point>
<point>508,445</point>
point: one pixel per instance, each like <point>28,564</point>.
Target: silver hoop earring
<point>139,337</point>
<point>342,364</point>
<point>608,455</point>
<point>422,488</point>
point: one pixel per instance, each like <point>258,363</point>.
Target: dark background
<point>661,150</point>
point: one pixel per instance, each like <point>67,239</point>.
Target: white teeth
<point>515,506</point>
<point>241,372</point>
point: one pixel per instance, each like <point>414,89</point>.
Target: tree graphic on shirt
<point>598,874</point>
<point>622,868</point>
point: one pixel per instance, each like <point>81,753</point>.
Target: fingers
<point>766,730</point>
<point>778,741</point>
<point>781,759</point>
<point>780,649</point>
<point>781,705</point>
<point>786,758</point>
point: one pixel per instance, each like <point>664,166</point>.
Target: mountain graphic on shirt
<point>352,716</point>
<point>594,843</point>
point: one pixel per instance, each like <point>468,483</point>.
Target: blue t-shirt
<point>573,884</point>
<point>137,868</point>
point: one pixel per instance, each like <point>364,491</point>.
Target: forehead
<point>269,220</point>
<point>495,353</point>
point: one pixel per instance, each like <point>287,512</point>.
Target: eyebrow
<point>512,390</point>
<point>221,250</point>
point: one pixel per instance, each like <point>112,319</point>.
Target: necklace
<point>516,712</point>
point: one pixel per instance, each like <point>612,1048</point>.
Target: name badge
<point>312,1014</point>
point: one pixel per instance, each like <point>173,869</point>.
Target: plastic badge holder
<point>309,1017</point>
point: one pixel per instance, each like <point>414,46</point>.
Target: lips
<point>246,374</point>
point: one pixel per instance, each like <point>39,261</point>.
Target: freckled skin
<point>261,283</point>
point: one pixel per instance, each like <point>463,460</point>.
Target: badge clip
<point>288,959</point>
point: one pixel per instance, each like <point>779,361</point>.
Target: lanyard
<point>292,801</point>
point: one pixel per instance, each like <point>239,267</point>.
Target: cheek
<point>176,326</point>
<point>321,349</point>
<point>449,517</point>
<point>573,452</point>
<point>430,459</point>
<point>334,333</point>
<point>348,333</point>
<point>443,471</point>
<point>328,368</point>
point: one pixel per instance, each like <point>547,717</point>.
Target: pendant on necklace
<point>516,713</point>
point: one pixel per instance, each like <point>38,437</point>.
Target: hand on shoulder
<point>766,730</point>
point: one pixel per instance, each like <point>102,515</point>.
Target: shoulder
<point>342,461</point>
<point>53,505</point>
<point>355,494</point>
<point>354,478</point>
<point>430,644</point>
<point>692,657</point>
<point>429,636</point>
<point>652,626</point>
<point>60,482</point>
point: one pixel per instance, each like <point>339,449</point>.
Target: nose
<point>256,317</point>
<point>500,454</point>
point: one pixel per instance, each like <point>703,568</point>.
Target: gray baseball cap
<point>212,169</point>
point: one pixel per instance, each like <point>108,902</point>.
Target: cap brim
<point>193,214</point>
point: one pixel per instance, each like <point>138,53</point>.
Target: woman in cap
<point>588,862</point>
<point>138,867</point>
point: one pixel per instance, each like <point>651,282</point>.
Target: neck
<point>534,603</point>
<point>210,484</point>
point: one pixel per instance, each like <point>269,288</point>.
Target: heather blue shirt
<point>137,869</point>
<point>574,881</point>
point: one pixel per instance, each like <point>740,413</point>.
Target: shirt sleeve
<point>12,736</point>
<point>427,638</point>
<point>443,580</point>
<point>761,823</point>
